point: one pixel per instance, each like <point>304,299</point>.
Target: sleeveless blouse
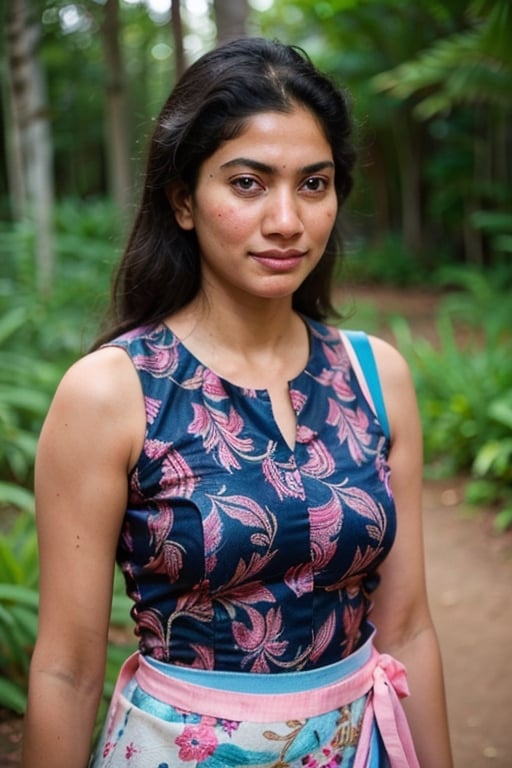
<point>240,553</point>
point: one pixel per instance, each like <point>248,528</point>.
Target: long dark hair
<point>160,270</point>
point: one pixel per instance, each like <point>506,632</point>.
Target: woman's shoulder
<point>392,365</point>
<point>100,399</point>
<point>103,380</point>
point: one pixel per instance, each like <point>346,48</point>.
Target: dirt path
<point>469,572</point>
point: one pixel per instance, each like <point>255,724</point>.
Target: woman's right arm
<point>91,438</point>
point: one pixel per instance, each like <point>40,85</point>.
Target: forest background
<point>431,90</point>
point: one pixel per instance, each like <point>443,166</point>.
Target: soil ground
<point>469,574</point>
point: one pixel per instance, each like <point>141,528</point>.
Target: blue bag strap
<point>364,352</point>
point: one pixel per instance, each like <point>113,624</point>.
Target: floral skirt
<point>346,714</point>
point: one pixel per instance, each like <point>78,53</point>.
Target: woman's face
<point>263,207</point>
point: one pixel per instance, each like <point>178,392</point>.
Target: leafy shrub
<point>464,385</point>
<point>479,300</point>
<point>497,225</point>
<point>19,601</point>
<point>61,325</point>
<point>39,337</point>
<point>388,262</point>
<point>26,385</point>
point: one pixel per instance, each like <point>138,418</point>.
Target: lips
<point>279,261</point>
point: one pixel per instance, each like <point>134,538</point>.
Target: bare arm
<point>92,435</point>
<point>401,613</point>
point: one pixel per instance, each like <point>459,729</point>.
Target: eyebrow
<point>256,165</point>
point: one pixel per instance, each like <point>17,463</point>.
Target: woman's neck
<point>249,345</point>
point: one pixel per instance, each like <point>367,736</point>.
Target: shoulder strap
<point>364,352</point>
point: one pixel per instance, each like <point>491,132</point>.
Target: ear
<point>180,200</point>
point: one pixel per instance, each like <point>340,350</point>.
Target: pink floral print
<point>241,553</point>
<point>196,742</point>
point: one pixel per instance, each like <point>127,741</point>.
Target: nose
<point>283,215</point>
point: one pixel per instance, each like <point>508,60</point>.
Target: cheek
<point>324,224</point>
<point>228,223</point>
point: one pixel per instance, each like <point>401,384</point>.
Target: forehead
<point>283,134</point>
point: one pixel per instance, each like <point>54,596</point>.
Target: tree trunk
<point>118,142</point>
<point>13,154</point>
<point>408,153</point>
<point>231,19</point>
<point>31,172</point>
<point>177,36</point>
<point>482,178</point>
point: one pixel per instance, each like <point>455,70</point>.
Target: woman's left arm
<point>401,612</point>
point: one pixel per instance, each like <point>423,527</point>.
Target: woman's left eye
<point>315,184</point>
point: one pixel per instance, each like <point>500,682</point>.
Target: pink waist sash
<point>382,678</point>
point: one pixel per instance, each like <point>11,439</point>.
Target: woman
<point>254,483</point>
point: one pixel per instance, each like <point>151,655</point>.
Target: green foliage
<point>464,385</point>
<point>482,303</point>
<point>62,325</point>
<point>497,225</point>
<point>26,383</point>
<point>19,601</point>
<point>388,262</point>
<point>39,338</point>
<point>460,68</point>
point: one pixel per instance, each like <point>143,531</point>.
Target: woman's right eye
<point>245,184</point>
